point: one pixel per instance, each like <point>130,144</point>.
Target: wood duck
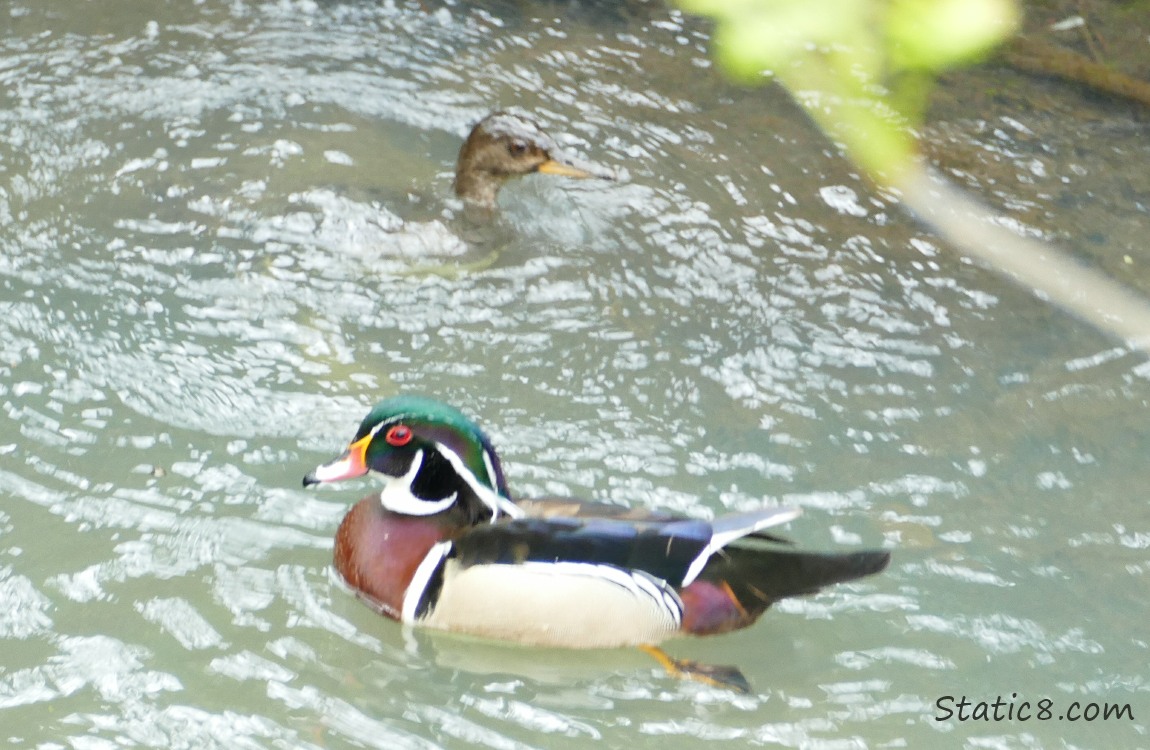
<point>504,145</point>
<point>444,545</point>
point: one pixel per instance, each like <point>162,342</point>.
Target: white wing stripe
<point>731,531</point>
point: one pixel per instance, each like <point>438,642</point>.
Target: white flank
<point>729,528</point>
<point>491,498</point>
<point>419,581</point>
<point>563,604</point>
<point>398,498</point>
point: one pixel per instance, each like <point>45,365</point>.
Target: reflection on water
<point>224,231</point>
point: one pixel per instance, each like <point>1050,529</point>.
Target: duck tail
<point>740,583</point>
<point>771,575</point>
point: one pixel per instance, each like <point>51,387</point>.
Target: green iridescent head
<point>433,456</point>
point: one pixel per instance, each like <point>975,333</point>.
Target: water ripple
<point>225,231</point>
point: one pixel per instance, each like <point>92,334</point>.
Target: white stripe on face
<point>489,497</point>
<point>489,463</point>
<point>398,497</point>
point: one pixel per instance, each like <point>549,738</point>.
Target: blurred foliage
<point>861,68</point>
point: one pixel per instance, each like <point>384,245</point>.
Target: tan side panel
<point>545,605</point>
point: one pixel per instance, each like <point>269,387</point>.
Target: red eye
<point>398,435</point>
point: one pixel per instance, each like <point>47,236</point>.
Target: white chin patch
<point>398,498</point>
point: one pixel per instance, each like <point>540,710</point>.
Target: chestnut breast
<point>377,552</point>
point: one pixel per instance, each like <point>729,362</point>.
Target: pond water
<point>225,233</point>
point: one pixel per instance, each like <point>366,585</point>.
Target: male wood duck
<point>504,145</point>
<point>444,545</point>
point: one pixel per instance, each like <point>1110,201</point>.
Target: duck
<point>445,545</point>
<point>503,146</point>
<point>436,237</point>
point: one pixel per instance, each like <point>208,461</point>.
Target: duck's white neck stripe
<point>490,497</point>
<point>418,586</point>
<point>398,497</point>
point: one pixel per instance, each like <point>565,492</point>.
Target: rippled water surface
<point>225,232</point>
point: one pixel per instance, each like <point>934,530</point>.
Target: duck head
<point>433,458</point>
<point>502,146</point>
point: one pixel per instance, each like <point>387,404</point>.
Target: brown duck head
<point>502,146</point>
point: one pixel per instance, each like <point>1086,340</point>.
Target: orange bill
<point>567,170</point>
<point>351,464</point>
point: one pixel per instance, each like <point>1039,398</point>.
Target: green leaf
<point>939,34</point>
<point>839,59</point>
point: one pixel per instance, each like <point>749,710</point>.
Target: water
<point>206,279</point>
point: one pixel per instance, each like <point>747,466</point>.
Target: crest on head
<point>434,458</point>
